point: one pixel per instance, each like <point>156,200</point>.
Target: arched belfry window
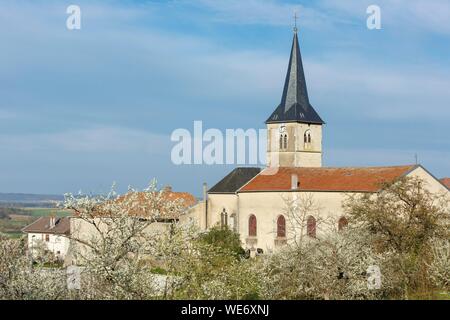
<point>252,226</point>
<point>342,223</point>
<point>283,141</point>
<point>307,136</point>
<point>311,227</point>
<point>281,227</point>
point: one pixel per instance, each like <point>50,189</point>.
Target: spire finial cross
<point>295,21</point>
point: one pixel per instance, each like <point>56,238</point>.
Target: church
<point>256,202</point>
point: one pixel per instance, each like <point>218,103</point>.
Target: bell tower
<point>294,130</point>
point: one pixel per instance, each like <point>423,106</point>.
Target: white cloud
<point>399,15</point>
<point>89,141</point>
<point>198,68</point>
<point>430,16</point>
<point>387,91</point>
<point>264,12</point>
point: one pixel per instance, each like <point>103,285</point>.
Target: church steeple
<point>294,130</point>
<point>295,106</point>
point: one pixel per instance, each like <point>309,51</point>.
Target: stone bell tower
<point>294,130</point>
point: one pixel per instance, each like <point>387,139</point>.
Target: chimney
<point>294,182</point>
<point>205,191</point>
<point>52,222</point>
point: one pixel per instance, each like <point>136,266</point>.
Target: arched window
<point>252,226</point>
<point>285,141</point>
<point>281,227</point>
<point>307,136</point>
<point>311,227</point>
<point>281,141</point>
<point>342,223</point>
<point>233,221</point>
<point>224,218</point>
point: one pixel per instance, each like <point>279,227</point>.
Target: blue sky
<point>81,109</point>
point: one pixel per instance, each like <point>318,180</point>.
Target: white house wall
<point>57,244</point>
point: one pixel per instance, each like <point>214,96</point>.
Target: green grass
<point>158,270</point>
<point>430,295</point>
<point>43,212</point>
<point>12,227</point>
<point>443,295</point>
<point>15,235</point>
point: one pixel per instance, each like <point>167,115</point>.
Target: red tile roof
<point>141,206</point>
<point>368,179</point>
<point>186,199</point>
<point>446,182</point>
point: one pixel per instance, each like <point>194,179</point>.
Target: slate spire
<point>295,106</point>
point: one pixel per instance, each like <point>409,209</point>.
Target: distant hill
<point>29,200</point>
<point>26,197</point>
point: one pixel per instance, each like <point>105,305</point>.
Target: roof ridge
<point>353,167</point>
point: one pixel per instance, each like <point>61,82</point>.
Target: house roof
<point>42,225</point>
<point>366,179</point>
<point>186,199</point>
<point>141,206</point>
<point>234,180</point>
<point>295,106</point>
<point>446,182</point>
<point>168,206</point>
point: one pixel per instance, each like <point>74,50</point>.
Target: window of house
<point>342,223</point>
<point>252,227</point>
<point>285,141</point>
<point>224,218</point>
<point>281,227</point>
<point>233,222</point>
<point>47,237</point>
<point>311,227</point>
<point>281,141</point>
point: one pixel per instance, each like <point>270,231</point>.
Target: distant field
<point>12,227</point>
<point>42,212</point>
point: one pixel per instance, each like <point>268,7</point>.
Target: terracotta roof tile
<point>187,199</point>
<point>366,179</point>
<point>446,182</point>
<point>142,207</point>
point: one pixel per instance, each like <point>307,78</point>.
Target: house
<point>139,206</point>
<point>50,233</point>
<point>254,201</point>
